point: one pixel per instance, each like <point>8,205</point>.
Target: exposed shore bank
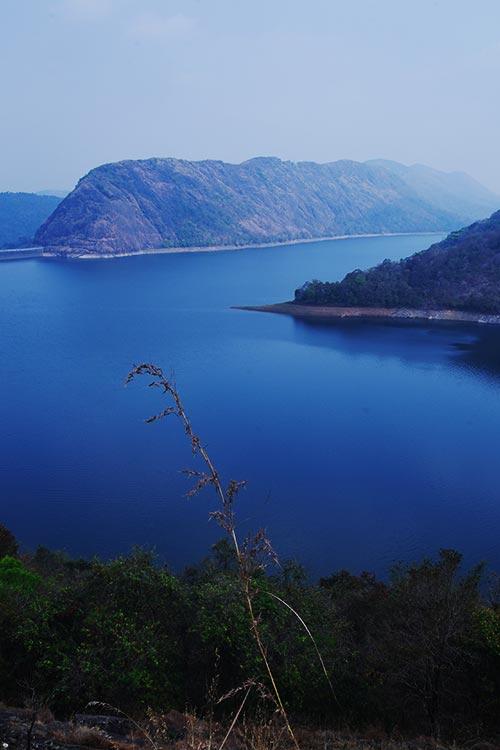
<point>371,313</point>
<point>21,253</point>
<point>53,253</point>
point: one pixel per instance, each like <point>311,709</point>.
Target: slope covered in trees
<point>460,273</point>
<point>21,214</point>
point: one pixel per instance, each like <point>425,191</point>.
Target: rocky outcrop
<point>133,206</point>
<point>22,730</point>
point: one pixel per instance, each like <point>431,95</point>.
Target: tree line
<point>418,652</point>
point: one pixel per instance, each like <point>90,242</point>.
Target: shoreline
<point>372,313</point>
<point>20,253</point>
<point>222,248</point>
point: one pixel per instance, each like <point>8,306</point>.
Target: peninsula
<point>457,279</point>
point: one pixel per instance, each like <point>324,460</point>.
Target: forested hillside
<point>460,273</point>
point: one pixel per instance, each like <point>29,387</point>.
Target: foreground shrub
<point>418,652</point>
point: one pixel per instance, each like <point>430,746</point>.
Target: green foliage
<point>420,650</point>
<point>488,624</point>
<point>15,578</point>
<point>462,272</point>
<point>8,542</point>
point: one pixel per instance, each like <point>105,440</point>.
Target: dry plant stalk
<point>109,707</point>
<point>252,550</point>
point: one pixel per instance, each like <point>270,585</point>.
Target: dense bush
<point>420,651</point>
<point>8,543</point>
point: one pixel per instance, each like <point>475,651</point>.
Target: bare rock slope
<point>132,206</point>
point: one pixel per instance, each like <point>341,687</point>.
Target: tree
<point>427,649</point>
<point>8,542</point>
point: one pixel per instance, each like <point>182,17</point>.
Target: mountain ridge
<point>136,205</point>
<point>447,190</point>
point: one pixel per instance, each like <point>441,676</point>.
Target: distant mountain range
<point>455,192</point>
<point>21,214</point>
<point>132,206</point>
<point>58,192</point>
<point>460,273</point>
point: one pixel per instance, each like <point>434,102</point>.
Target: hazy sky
<point>90,81</point>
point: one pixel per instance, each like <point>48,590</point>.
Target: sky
<point>85,82</point>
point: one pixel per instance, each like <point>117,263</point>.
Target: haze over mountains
<point>21,215</point>
<point>456,192</point>
<point>131,206</point>
<point>60,193</point>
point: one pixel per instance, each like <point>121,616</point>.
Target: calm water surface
<point>362,443</point>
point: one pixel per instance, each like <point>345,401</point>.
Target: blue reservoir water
<point>362,443</point>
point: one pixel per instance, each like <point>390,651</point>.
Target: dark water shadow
<point>470,348</point>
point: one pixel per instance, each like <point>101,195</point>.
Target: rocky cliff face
<point>460,273</point>
<point>135,205</point>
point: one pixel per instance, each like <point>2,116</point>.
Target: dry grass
<point>186,731</point>
<point>84,736</point>
<point>271,734</point>
<point>253,553</point>
<point>44,715</point>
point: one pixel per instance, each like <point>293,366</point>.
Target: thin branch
<point>225,517</point>
<point>102,704</point>
<point>235,718</point>
<point>306,628</point>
